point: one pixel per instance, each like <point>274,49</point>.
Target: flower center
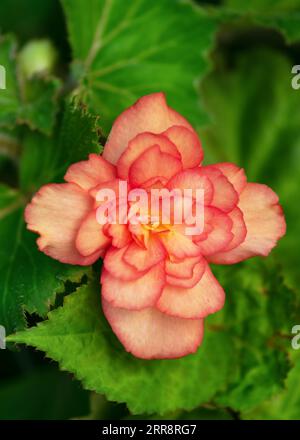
<point>157,227</point>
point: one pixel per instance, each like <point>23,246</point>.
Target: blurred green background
<point>226,65</point>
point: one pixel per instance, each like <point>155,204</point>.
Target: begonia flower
<point>157,285</point>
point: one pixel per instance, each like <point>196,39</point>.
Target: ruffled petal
<point>153,163</point>
<point>179,246</point>
<point>149,114</point>
<point>89,173</point>
<point>112,186</point>
<point>225,196</point>
<point>234,174</point>
<point>188,144</point>
<point>264,222</point>
<point>144,258</point>
<point>188,283</point>
<point>136,294</point>
<point>150,334</point>
<point>206,297</point>
<point>56,212</point>
<point>239,230</point>
<point>182,268</point>
<point>139,145</point>
<point>218,234</point>
<point>115,264</point>
<point>193,179</point>
<point>91,237</point>
<point>119,233</point>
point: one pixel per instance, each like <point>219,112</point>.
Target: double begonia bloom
<point>157,286</point>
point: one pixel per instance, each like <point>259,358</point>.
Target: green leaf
<point>284,406</point>
<point>259,313</point>
<point>53,396</point>
<point>46,160</point>
<point>282,15</point>
<point>205,414</point>
<point>78,337</point>
<point>32,102</point>
<point>256,118</point>
<point>29,280</point>
<point>202,413</point>
<point>236,346</point>
<point>38,104</point>
<point>123,50</point>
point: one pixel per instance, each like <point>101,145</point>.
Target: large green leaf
<point>123,50</point>
<point>29,280</point>
<point>78,337</point>
<point>285,405</point>
<point>282,15</point>
<point>258,315</point>
<point>236,345</point>
<point>256,123</point>
<point>32,102</point>
<point>101,409</point>
<point>45,160</point>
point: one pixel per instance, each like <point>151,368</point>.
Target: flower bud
<point>37,57</point>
